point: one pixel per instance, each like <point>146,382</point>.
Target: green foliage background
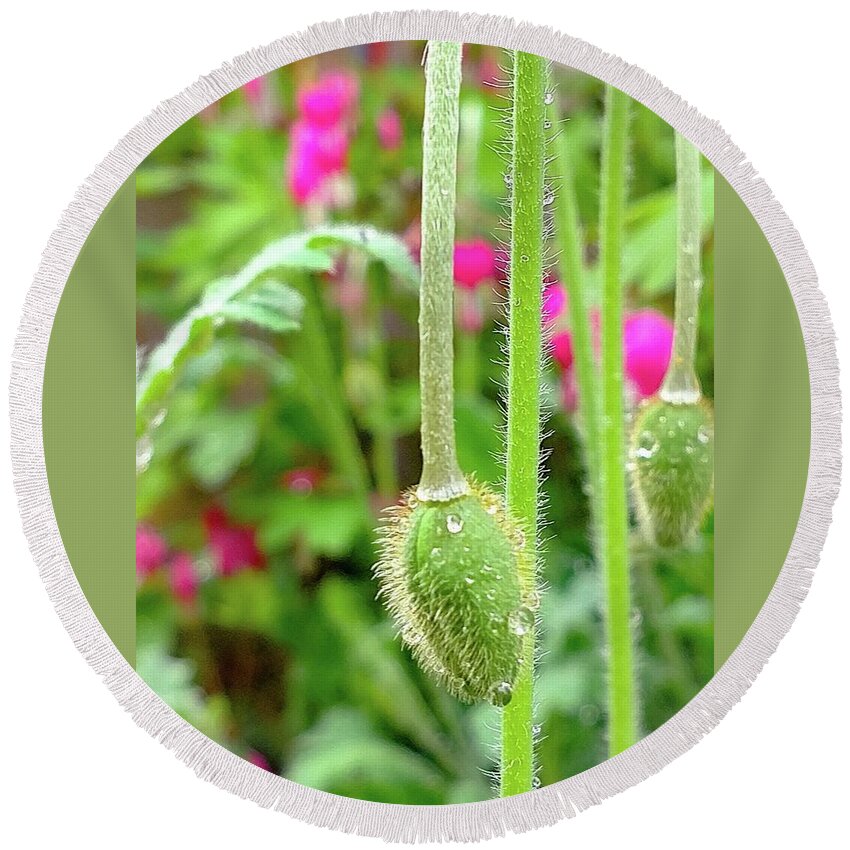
<point>298,661</point>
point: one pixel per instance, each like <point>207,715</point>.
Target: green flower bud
<point>672,468</point>
<point>449,576</point>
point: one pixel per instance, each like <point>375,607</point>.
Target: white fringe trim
<point>473,821</point>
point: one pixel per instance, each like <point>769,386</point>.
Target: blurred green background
<point>260,483</point>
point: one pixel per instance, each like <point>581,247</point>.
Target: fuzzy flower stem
<point>614,526</point>
<point>681,385</point>
<point>568,233</point>
<point>523,404</point>
<point>441,476</point>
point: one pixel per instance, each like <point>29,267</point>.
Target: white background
<point>77,76</point>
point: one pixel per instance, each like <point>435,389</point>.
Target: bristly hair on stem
<point>527,182</point>
<point>441,478</point>
<point>614,526</point>
<point>681,385</point>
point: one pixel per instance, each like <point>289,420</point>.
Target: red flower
<point>562,348</point>
<point>647,344</point>
<point>326,103</point>
<point>151,551</point>
<point>183,578</point>
<point>474,263</point>
<point>390,130</point>
<point>302,480</point>
<point>234,547</point>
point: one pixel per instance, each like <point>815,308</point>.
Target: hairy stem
<point>569,241</point>
<point>441,476</point>
<point>524,359</point>
<point>614,527</point>
<point>681,385</point>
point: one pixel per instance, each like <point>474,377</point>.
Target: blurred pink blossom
<point>330,100</point>
<point>474,263</point>
<point>234,547</point>
<point>554,301</point>
<point>151,551</point>
<point>258,760</point>
<point>183,578</point>
<point>304,479</point>
<point>254,90</point>
<point>314,154</point>
<point>562,349</point>
<point>647,343</point>
<point>390,130</point>
<point>470,316</point>
<point>569,391</point>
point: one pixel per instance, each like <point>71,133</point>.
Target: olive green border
<point>762,403</point>
<point>88,420</point>
<point>762,419</point>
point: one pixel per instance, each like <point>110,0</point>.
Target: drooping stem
<point>441,476</point>
<point>569,241</point>
<point>614,528</point>
<point>681,385</point>
<point>523,403</point>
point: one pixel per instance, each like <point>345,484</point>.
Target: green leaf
<point>343,754</point>
<point>225,439</point>
<point>387,248</point>
<point>329,524</point>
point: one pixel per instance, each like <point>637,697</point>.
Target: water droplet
<point>144,453</point>
<point>548,198</point>
<point>532,600</point>
<point>454,524</point>
<point>509,178</point>
<point>501,693</point>
<point>536,729</point>
<point>158,419</point>
<point>521,621</point>
<point>547,125</point>
<point>444,192</point>
<point>702,434</point>
<point>536,782</point>
<point>524,258</point>
<point>549,98</point>
<point>490,595</point>
<point>492,508</point>
<point>486,569</point>
<point>435,552</point>
<point>469,579</point>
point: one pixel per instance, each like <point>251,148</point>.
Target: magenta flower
<point>330,100</point>
<point>647,344</point>
<point>314,154</point>
<point>305,479</point>
<point>554,301</point>
<point>390,131</point>
<point>474,263</point>
<point>151,551</point>
<point>258,760</point>
<point>234,547</point>
<point>562,348</point>
<point>183,578</point>
<point>254,90</point>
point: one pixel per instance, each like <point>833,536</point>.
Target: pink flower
<point>183,578</point>
<point>470,316</point>
<point>302,480</point>
<point>554,301</point>
<point>233,546</point>
<point>326,103</point>
<point>569,391</point>
<point>474,263</point>
<point>151,551</point>
<point>314,154</point>
<point>258,760</point>
<point>647,344</point>
<point>562,348</point>
<point>254,90</point>
<point>390,131</point>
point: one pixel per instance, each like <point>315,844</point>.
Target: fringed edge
<point>473,821</point>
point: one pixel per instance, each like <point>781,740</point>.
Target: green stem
<point>614,527</point>
<point>327,397</point>
<point>383,438</point>
<point>441,476</point>
<point>524,359</point>
<point>569,238</point>
<point>681,385</point>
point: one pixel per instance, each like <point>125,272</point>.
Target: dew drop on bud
<point>501,693</point>
<point>521,621</point>
<point>549,98</point>
<point>454,524</point>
